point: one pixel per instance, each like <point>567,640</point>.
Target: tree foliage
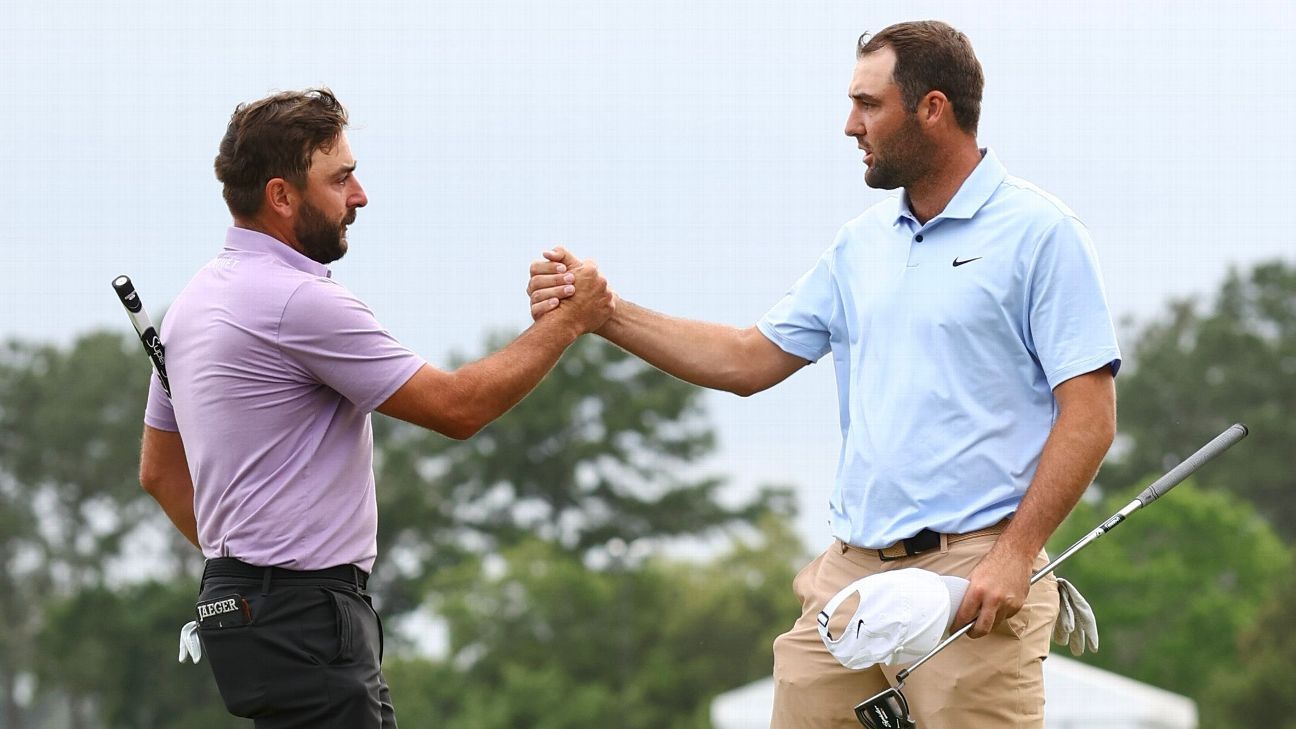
<point>1201,368</point>
<point>114,649</point>
<point>1258,692</point>
<point>70,420</point>
<point>600,452</point>
<point>1174,586</point>
<point>549,643</point>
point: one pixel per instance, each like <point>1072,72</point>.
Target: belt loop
<point>265,581</point>
<point>842,546</point>
<point>355,577</point>
<point>944,543</point>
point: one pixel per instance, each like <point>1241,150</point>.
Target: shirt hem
<point>787,345</point>
<point>1075,369</point>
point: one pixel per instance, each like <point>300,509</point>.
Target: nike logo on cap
<point>958,263</point>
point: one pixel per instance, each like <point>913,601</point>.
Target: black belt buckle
<point>923,541</point>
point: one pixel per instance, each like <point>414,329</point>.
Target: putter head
<point>887,710</point>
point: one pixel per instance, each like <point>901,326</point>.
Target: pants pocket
<point>344,627</point>
<point>801,584</point>
<point>230,652</point>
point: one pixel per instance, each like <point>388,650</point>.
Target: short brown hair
<point>932,56</point>
<point>275,137</point>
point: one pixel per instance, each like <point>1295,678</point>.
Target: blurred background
<point>618,550</point>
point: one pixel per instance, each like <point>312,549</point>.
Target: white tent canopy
<point>1077,696</point>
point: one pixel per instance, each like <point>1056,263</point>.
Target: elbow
<point>150,480</point>
<point>1107,431</point>
<point>1106,421</point>
<point>461,430</point>
<point>745,382</point>
<point>460,425</point>
<point>745,388</point>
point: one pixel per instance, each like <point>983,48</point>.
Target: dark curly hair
<point>275,137</point>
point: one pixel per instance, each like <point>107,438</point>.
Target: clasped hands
<point>559,278</point>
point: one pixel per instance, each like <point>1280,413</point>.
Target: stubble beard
<point>903,161</point>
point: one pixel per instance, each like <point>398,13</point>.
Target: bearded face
<point>322,240</point>
<point>898,158</point>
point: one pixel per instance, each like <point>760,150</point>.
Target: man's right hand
<point>553,278</point>
<point>589,302</point>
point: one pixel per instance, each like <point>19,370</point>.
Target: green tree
<point>544,641</point>
<point>115,649</point>
<point>1175,586</point>
<point>70,419</point>
<point>1200,368</point>
<point>1258,691</point>
<point>600,451</point>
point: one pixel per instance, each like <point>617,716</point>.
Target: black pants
<point>294,649</point>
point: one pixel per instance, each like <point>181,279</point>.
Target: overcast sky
<point>694,148</point>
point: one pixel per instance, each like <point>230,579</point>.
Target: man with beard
<point>263,454</point>
<point>974,356</point>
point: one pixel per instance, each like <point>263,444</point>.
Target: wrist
<point>1013,551</point>
<point>609,329</point>
<point>559,325</point>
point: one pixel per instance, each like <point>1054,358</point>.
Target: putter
<point>890,710</point>
<point>143,327</point>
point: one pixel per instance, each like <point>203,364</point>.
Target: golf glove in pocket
<point>190,644</point>
<point>1076,626</point>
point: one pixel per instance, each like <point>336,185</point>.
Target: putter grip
<point>1218,445</point>
<point>126,292</point>
<point>148,336</point>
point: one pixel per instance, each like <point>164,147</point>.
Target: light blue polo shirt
<point>947,340</point>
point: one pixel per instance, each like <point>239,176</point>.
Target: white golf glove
<point>190,644</point>
<point>1076,626</point>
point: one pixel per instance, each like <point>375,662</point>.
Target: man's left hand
<point>996,590</point>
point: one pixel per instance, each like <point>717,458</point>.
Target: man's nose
<point>854,125</point>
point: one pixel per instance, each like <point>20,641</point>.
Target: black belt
<point>927,540</point>
<point>230,567</point>
<point>917,544</point>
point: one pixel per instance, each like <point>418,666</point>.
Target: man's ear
<point>933,108</point>
<point>281,197</point>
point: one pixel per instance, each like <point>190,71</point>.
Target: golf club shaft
<point>1159,488</point>
<point>143,327</point>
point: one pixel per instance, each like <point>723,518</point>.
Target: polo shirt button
<point>918,237</point>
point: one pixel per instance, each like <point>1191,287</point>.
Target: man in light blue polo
<point>974,356</point>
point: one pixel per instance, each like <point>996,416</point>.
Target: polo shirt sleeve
<point>333,337</point>
<point>798,324</point>
<point>159,413</point>
<point>1070,328</point>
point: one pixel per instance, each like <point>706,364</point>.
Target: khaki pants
<point>994,682</point>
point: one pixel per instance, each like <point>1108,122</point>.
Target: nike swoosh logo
<point>958,263</point>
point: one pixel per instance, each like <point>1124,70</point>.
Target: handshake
<point>560,279</point>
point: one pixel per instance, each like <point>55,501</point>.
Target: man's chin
<point>879,182</point>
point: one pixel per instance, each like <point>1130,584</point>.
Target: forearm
<point>1070,460</point>
<point>164,474</point>
<point>176,499</point>
<point>491,386</point>
<point>705,354</point>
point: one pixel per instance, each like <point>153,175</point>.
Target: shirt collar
<point>243,239</point>
<point>971,195</point>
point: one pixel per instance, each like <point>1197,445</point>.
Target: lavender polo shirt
<point>274,371</point>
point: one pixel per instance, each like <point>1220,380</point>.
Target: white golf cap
<point>902,615</point>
